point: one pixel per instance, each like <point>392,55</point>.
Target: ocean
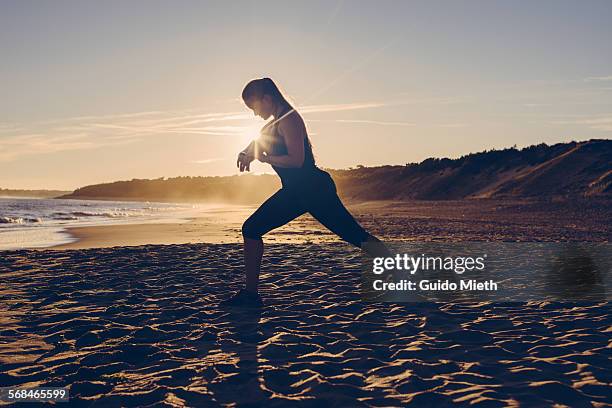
<point>38,223</point>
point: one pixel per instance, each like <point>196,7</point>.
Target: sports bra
<point>273,143</point>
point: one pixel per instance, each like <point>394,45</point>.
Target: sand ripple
<point>140,326</point>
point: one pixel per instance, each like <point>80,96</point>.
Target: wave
<point>21,215</point>
<point>73,215</point>
<point>19,220</point>
<point>65,216</point>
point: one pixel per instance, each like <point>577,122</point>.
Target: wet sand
<point>477,220</point>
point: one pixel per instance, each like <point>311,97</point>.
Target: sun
<point>251,130</point>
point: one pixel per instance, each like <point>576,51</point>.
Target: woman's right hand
<point>244,161</point>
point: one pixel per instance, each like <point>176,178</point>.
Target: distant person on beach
<point>285,145</point>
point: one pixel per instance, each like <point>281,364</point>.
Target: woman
<point>305,188</point>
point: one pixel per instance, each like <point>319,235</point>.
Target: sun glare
<point>251,130</point>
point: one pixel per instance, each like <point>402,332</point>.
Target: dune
<point>583,169</point>
<point>563,170</point>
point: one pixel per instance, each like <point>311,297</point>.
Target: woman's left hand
<point>261,156</point>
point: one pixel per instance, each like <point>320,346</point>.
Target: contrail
<point>340,77</point>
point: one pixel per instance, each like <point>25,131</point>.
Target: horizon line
<point>353,167</point>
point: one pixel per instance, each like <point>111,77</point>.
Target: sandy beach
<point>140,326</point>
<point>457,158</point>
<point>477,220</point>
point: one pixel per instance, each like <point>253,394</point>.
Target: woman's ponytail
<point>264,86</point>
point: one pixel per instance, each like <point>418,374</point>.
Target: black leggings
<point>320,200</point>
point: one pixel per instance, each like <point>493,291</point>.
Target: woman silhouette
<point>305,188</point>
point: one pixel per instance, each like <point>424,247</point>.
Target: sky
<point>96,91</point>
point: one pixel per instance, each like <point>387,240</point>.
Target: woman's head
<point>263,97</point>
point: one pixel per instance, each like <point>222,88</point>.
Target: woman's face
<point>263,107</point>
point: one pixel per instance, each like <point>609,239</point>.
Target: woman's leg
<point>329,211</point>
<point>275,212</point>
<point>253,252</point>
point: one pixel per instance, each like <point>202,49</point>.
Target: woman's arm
<point>293,130</point>
<point>246,156</point>
<point>250,149</point>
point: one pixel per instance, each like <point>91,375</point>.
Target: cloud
<point>391,123</point>
<point>14,147</point>
<point>451,125</point>
<point>600,78</point>
<point>375,122</point>
<point>603,123</point>
<point>536,105</point>
<point>206,161</point>
<point>340,107</point>
<point>90,132</point>
<point>334,12</point>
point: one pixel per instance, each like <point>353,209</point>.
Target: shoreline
<point>219,226</point>
<point>105,236</point>
<point>215,226</point>
<point>390,220</point>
